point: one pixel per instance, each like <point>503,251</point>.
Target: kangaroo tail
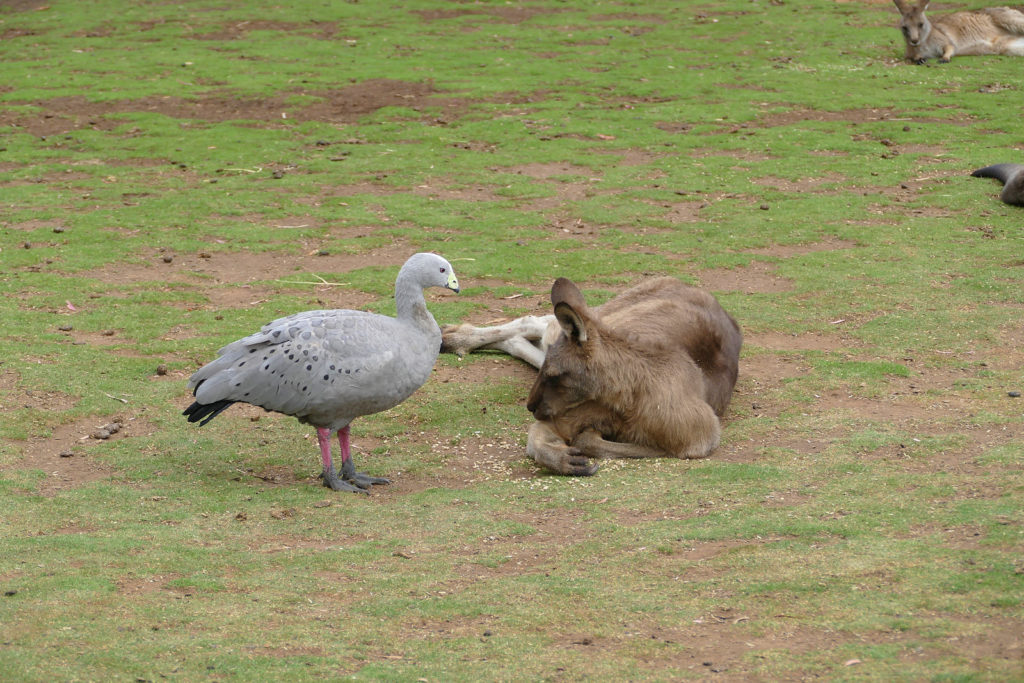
<point>1001,172</point>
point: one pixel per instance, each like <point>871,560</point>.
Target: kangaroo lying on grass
<point>645,375</point>
<point>991,31</point>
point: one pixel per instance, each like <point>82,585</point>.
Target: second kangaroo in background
<point>990,31</point>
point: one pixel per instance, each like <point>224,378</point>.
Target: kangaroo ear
<point>572,324</point>
<point>566,290</point>
<point>570,309</point>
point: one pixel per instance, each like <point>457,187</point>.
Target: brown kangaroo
<point>645,375</point>
<point>990,31</point>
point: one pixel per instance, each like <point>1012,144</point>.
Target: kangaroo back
<point>665,315</point>
<point>1008,19</point>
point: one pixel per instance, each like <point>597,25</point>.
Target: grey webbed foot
<point>333,481</point>
<point>363,481</point>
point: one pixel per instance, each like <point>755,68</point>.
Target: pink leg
<point>324,437</point>
<point>346,450</point>
<point>331,478</point>
<point>348,468</point>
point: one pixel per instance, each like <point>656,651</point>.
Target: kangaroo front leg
<point>593,445</point>
<point>549,450</point>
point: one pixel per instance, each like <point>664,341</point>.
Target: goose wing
<point>325,367</point>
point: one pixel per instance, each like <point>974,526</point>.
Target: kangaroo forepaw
<point>576,464</point>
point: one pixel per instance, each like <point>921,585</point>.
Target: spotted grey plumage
<point>327,367</point>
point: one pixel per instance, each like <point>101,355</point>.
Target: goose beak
<point>453,283</point>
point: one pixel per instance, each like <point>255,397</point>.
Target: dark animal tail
<point>1002,172</point>
<point>198,411</point>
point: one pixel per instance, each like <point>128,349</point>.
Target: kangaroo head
<point>566,379</point>
<point>913,22</point>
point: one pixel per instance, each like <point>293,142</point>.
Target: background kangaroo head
<point>913,23</point>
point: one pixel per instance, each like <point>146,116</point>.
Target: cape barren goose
<point>329,367</point>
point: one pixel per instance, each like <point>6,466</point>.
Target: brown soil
<point>343,105</point>
<point>64,456</point>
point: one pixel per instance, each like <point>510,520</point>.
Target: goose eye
<point>442,270</point>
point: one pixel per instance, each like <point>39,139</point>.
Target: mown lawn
<point>175,175</point>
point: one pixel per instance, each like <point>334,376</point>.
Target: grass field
<point>176,174</point>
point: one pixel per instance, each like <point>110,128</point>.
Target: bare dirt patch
<point>342,105</point>
<point>14,396</point>
<point>761,379</point>
<point>799,115</point>
<point>34,224</point>
<point>519,554</point>
<point>684,212</point>
<point>61,455</point>
<point>438,190</point>
<point>807,341</point>
<point>238,279</point>
<point>497,13</point>
<point>145,586</point>
<point>568,188</point>
<point>791,250</point>
<point>802,185</point>
<point>107,339</point>
<point>723,643</point>
<point>741,155</point>
<point>320,30</point>
<point>12,6</point>
<point>758,277</point>
<point>992,638</point>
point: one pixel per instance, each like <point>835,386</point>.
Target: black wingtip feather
<point>205,411</point>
